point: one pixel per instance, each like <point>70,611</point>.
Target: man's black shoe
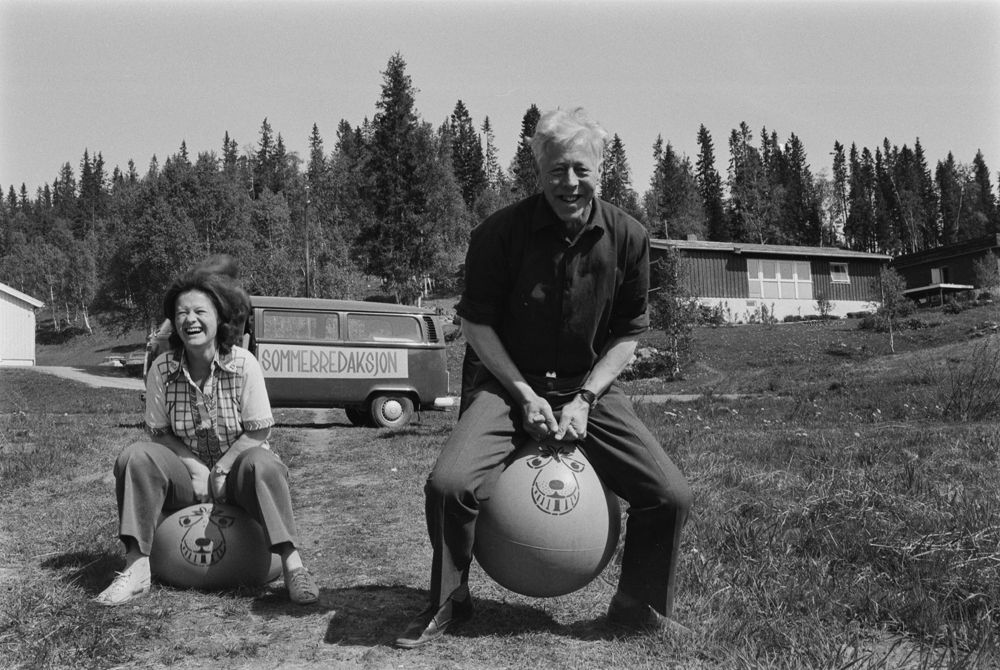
<point>643,617</point>
<point>434,621</point>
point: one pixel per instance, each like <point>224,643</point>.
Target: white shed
<point>17,327</point>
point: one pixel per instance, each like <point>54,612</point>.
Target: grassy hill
<point>74,346</point>
<point>847,515</point>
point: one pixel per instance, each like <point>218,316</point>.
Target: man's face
<point>569,177</point>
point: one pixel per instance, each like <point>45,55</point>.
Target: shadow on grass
<point>374,616</point>
<point>89,570</point>
<point>314,426</point>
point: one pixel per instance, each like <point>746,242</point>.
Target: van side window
<point>299,326</point>
<point>382,328</point>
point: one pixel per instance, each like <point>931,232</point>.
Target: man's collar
<point>544,215</point>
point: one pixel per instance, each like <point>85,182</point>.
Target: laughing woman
<point>208,417</point>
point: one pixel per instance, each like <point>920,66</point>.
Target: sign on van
<point>291,360</point>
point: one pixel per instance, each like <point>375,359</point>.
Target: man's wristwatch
<point>589,397</point>
<point>217,470</point>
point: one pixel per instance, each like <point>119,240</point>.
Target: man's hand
<point>573,420</point>
<point>199,479</point>
<point>538,420</point>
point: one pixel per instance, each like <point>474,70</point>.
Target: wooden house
<point>745,279</point>
<point>17,327</point>
<point>932,274</point>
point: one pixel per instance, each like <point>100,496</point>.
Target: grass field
<point>847,516</point>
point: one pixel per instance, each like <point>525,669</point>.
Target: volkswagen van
<point>378,362</point>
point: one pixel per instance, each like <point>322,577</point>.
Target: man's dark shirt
<point>555,306</point>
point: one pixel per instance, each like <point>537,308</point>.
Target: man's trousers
<point>150,480</point>
<point>623,452</point>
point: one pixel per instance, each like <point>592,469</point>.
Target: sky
<point>133,79</point>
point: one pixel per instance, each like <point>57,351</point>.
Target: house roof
<point>764,249</point>
<point>21,296</point>
<point>947,251</point>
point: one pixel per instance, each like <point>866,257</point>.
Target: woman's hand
<point>217,482</point>
<point>199,479</point>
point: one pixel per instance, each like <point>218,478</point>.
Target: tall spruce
<point>986,202</point>
<point>860,228</point>
<point>466,155</point>
<point>676,210</point>
<point>753,205</point>
<point>524,180</point>
<point>398,240</point>
<point>616,178</point>
<point>491,164</point>
<point>710,188</point>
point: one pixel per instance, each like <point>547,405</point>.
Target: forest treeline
<point>390,207</point>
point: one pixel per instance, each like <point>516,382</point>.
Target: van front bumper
<point>444,403</point>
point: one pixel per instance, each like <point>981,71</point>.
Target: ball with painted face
<point>550,525</point>
<point>212,546</point>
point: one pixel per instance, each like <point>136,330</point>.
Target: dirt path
<point>95,375</point>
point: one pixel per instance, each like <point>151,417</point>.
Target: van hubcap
<point>392,410</point>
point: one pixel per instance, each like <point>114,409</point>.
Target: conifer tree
<point>676,203</point>
<point>951,187</point>
<point>616,179</point>
<point>263,160</point>
<point>524,180</point>
<point>801,216</point>
<point>860,229</point>
<point>403,238</point>
<point>491,164</point>
<point>710,188</point>
<point>753,204</point>
<point>466,155</point>
<point>985,199</point>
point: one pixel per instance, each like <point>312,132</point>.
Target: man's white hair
<point>567,128</point>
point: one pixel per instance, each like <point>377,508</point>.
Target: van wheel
<point>391,411</point>
<point>356,416</point>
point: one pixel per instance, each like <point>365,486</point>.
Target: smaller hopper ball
<point>550,526</point>
<point>212,546</point>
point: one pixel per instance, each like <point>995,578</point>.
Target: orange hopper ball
<point>550,526</point>
<point>212,546</point>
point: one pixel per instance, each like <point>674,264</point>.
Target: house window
<point>939,275</point>
<point>838,273</point>
<point>779,279</point>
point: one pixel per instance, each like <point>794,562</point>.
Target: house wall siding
<point>717,275</point>
<point>863,283</point>
<point>714,274</point>
<point>17,331</point>
<point>961,269</point>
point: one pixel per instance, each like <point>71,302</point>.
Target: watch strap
<point>589,397</point>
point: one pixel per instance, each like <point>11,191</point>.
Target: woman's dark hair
<point>220,264</point>
<point>231,303</point>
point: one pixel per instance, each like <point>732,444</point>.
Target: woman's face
<point>196,320</point>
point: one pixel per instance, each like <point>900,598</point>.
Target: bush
<point>649,363</point>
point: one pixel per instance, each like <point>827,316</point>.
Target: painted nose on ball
<point>203,541</point>
<point>556,485</point>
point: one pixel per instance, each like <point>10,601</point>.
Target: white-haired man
<point>555,299</point>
